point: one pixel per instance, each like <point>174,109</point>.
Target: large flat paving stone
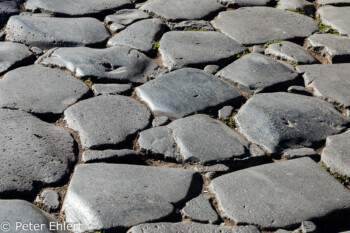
<point>7,9</point>
<point>179,49</point>
<point>77,7</point>
<point>190,227</point>
<point>107,120</point>
<point>200,209</point>
<point>280,121</point>
<point>17,213</point>
<point>140,35</point>
<point>111,196</point>
<point>116,64</point>
<point>48,32</point>
<point>280,195</point>
<point>334,2</point>
<point>254,73</point>
<point>246,26</point>
<point>186,91</point>
<point>336,153</point>
<point>241,3</point>
<point>336,17</point>
<point>330,82</point>
<point>12,55</point>
<point>179,10</point>
<point>40,90</point>
<point>31,151</point>
<point>335,48</point>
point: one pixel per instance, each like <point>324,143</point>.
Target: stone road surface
<point>175,116</point>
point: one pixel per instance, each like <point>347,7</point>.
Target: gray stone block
<point>200,209</point>
<point>336,17</point>
<point>12,55</point>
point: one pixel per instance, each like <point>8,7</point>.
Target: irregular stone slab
<point>211,69</point>
<point>140,35</point>
<point>335,48</point>
<point>51,199</point>
<point>126,17</point>
<point>115,119</point>
<point>48,32</point>
<point>182,92</point>
<point>18,211</point>
<point>336,153</point>
<point>160,121</point>
<point>301,5</point>
<point>299,90</point>
<point>299,153</point>
<point>232,3</point>
<point>336,17</point>
<point>180,10</point>
<point>330,82</point>
<point>112,196</point>
<point>290,52</point>
<point>12,55</point>
<point>116,64</point>
<point>190,227</point>
<point>76,8</point>
<point>202,139</point>
<point>258,49</point>
<point>111,89</point>
<point>114,27</point>
<point>191,25</point>
<point>226,112</point>
<point>254,73</point>
<point>284,187</point>
<point>124,155</point>
<point>308,227</point>
<point>31,151</point>
<point>334,2</point>
<point>40,90</point>
<point>196,48</point>
<point>280,121</point>
<point>200,209</point>
<point>245,25</point>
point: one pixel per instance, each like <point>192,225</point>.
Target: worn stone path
<point>175,116</point>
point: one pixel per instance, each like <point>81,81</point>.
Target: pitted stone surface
<point>336,153</point>
<point>200,209</point>
<point>278,121</point>
<point>111,89</point>
<point>76,7</point>
<point>180,10</point>
<point>196,48</point>
<point>246,26</point>
<point>12,55</point>
<point>7,8</point>
<point>51,199</point>
<point>290,52</point>
<point>330,82</point>
<point>31,151</point>
<point>283,187</point>
<point>126,17</point>
<point>140,35</point>
<point>115,118</point>
<point>334,2</point>
<point>230,3</point>
<point>254,73</point>
<point>185,91</point>
<point>108,196</point>
<point>116,64</point>
<point>40,90</point>
<point>48,32</point>
<point>335,48</point>
<point>336,17</point>
<point>302,5</point>
<point>125,155</point>
<point>18,211</point>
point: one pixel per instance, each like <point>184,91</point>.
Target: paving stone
<point>51,199</point>
<point>279,121</point>
<point>241,3</point>
<point>114,27</point>
<point>246,26</point>
<point>37,51</point>
<point>31,151</point>
<point>185,91</point>
<point>290,52</point>
<point>191,25</point>
<point>335,48</point>
<point>48,32</point>
<point>107,120</point>
<point>336,153</point>
<point>299,153</point>
<point>126,17</point>
<point>190,227</point>
<point>12,55</point>
<point>330,82</point>
<point>18,211</point>
<point>226,112</point>
<point>196,48</point>
<point>116,64</point>
<point>302,5</point>
<point>308,227</point>
<point>299,90</point>
<point>212,69</point>
<point>283,187</point>
<point>254,73</point>
<point>334,2</point>
<point>214,168</point>
<point>124,155</point>
<point>200,209</point>
<point>140,35</point>
<point>76,8</point>
<point>258,49</point>
<point>160,121</point>
<point>180,10</point>
<point>7,9</point>
<point>112,196</point>
<point>112,89</point>
<point>40,90</point>
<point>336,17</point>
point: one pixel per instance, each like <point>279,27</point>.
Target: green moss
<point>272,42</point>
<point>345,180</point>
<point>230,121</point>
<point>88,82</point>
<point>323,28</point>
<point>155,45</point>
<point>242,54</point>
<point>295,64</point>
<point>301,12</point>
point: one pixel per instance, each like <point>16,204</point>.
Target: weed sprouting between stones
<point>230,121</point>
<point>298,11</point>
<point>323,28</point>
<point>345,180</point>
<point>88,82</point>
<point>272,42</point>
<point>242,54</point>
<point>155,45</point>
